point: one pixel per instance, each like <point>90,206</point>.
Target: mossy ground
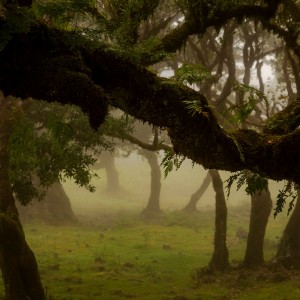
<point>136,259</point>
<point>113,253</point>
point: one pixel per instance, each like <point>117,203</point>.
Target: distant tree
<point>107,161</point>
<point>102,61</point>
<point>288,250</point>
<point>148,141</point>
<point>219,260</point>
<point>54,208</point>
<point>261,206</point>
<point>53,143</point>
<point>192,204</point>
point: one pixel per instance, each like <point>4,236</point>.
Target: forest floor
<point>115,254</point>
<point>125,257</point>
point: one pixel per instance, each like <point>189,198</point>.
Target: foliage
<point>240,112</point>
<point>17,21</point>
<point>50,144</point>
<point>62,13</point>
<point>119,126</point>
<point>191,73</point>
<point>141,52</point>
<point>193,106</point>
<point>254,182</point>
<point>171,161</point>
<point>288,192</point>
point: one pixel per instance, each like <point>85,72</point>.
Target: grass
<point>114,254</point>
<point>129,258</point>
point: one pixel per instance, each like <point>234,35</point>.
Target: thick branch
<point>41,64</point>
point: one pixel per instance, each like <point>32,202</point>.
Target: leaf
<point>171,161</point>
<point>287,192</point>
<point>191,73</point>
<point>253,182</point>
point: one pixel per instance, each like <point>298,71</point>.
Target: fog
<point>135,177</point>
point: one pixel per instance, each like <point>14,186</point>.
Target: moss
<point>285,121</point>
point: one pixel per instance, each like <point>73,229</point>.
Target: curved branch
<point>41,64</point>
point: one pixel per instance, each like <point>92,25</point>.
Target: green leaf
<point>191,73</point>
<point>171,161</point>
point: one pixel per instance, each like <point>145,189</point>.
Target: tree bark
<point>261,206</point>
<point>153,206</point>
<point>192,205</point>
<point>219,260</point>
<point>288,252</point>
<point>17,262</point>
<point>107,161</point>
<point>54,208</point>
<point>93,79</point>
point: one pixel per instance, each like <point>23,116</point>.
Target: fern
<point>287,192</point>
<point>193,106</point>
<point>191,73</point>
<point>241,112</point>
<point>230,182</point>
<point>253,182</point>
<point>171,161</point>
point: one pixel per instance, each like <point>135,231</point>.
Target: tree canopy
<point>105,61</point>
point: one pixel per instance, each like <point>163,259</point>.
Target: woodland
<point>217,81</point>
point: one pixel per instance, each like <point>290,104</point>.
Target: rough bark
<point>17,262</point>
<point>219,260</point>
<point>153,207</point>
<point>43,64</point>
<point>261,206</point>
<point>288,252</point>
<point>55,208</point>
<point>192,205</point>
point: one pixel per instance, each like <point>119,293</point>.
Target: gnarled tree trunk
<point>153,206</point>
<point>54,208</point>
<point>107,161</point>
<point>219,260</point>
<point>192,205</point>
<point>261,206</point>
<point>288,252</point>
<point>17,262</point>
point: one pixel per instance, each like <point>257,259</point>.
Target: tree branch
<point>42,64</point>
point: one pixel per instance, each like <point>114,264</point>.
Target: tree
<point>141,137</point>
<point>34,157</point>
<point>54,208</point>
<point>17,261</point>
<point>46,60</point>
<point>219,260</point>
<point>107,161</point>
<point>261,206</point>
<point>288,249</point>
<point>144,94</point>
<point>191,206</point>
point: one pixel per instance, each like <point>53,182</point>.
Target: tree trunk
<point>192,205</point>
<point>261,206</point>
<point>219,260</point>
<point>288,252</point>
<point>107,161</point>
<point>17,262</point>
<point>153,206</point>
<point>54,208</point>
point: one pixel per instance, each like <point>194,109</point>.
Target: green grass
<point>113,254</point>
<point>129,258</point>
